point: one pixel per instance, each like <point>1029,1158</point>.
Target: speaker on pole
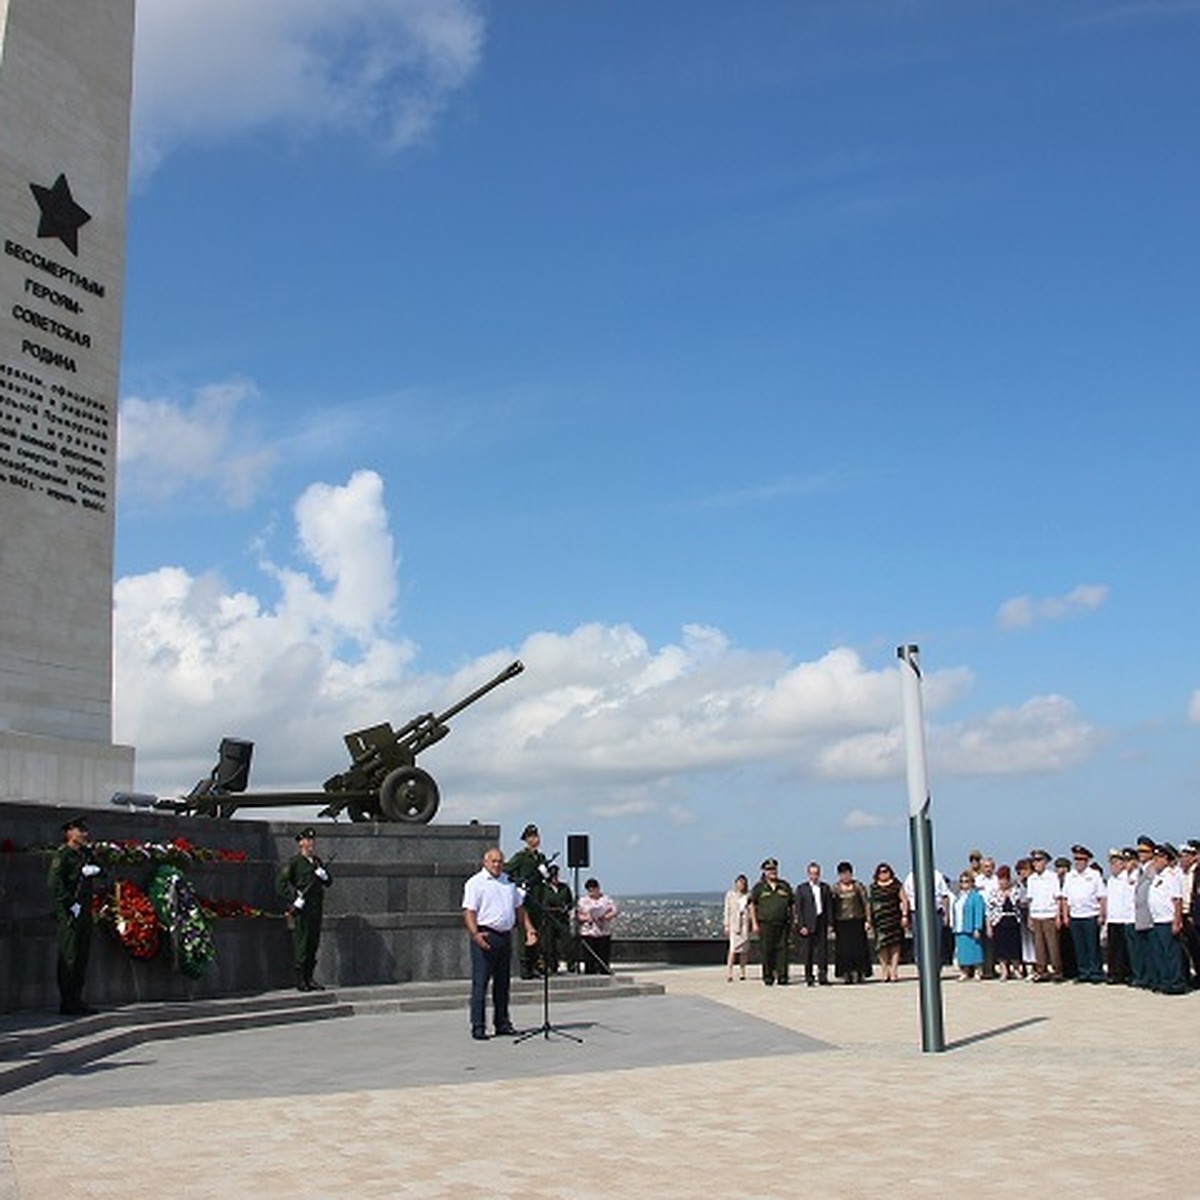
<point>577,850</point>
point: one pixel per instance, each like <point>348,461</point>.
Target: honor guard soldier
<point>772,905</point>
<point>302,883</point>
<point>529,869</point>
<point>559,904</point>
<point>70,879</point>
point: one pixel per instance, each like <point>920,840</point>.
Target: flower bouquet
<point>135,920</point>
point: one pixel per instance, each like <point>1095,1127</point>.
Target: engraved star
<point>61,216</point>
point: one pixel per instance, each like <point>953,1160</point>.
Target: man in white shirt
<point>1085,898</point>
<point>1045,918</point>
<point>491,906</point>
<point>1118,913</point>
<point>1166,913</point>
<point>1189,856</point>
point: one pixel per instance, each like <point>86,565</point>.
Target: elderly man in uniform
<point>1189,856</point>
<point>1085,899</point>
<point>492,905</point>
<point>1045,917</point>
<point>1166,913</point>
<point>302,883</point>
<point>772,907</point>
<point>70,879</point>
<point>529,869</point>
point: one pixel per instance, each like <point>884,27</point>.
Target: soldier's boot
<point>313,985</point>
<point>302,984</point>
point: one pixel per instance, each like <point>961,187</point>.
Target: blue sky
<point>698,354</point>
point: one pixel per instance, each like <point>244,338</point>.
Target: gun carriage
<point>382,783</point>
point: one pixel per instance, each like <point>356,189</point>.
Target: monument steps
<point>34,1047</point>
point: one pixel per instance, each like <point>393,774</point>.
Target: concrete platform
<point>709,1088</point>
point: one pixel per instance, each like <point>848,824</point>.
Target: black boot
<point>302,984</point>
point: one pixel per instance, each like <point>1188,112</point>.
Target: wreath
<point>175,903</point>
<point>135,920</point>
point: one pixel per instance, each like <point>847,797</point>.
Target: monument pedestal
<point>393,914</point>
<point>46,770</point>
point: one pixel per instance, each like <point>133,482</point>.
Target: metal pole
<point>920,835</point>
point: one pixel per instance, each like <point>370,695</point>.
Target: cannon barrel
<point>513,668</point>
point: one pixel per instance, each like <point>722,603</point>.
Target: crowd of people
<point>1043,919</point>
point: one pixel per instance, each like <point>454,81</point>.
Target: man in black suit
<point>813,904</point>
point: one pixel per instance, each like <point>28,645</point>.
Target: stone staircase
<point>37,1046</point>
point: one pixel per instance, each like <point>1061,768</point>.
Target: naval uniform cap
<point>75,823</point>
<point>1044,855</point>
<point>530,830</point>
<point>1062,861</point>
<point>1080,851</point>
<point>1144,839</point>
<point>307,832</point>
<point>770,864</point>
<point>1166,849</point>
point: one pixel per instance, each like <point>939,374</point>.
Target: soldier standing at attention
<point>302,883</point>
<point>559,905</point>
<point>529,870</point>
<point>70,879</point>
<point>772,906</point>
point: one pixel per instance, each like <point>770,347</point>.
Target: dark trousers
<point>74,947</point>
<point>1191,943</point>
<point>596,953</point>
<point>773,941</point>
<point>814,948</point>
<point>1117,953</point>
<point>1137,942</point>
<point>492,965</point>
<point>1085,938</point>
<point>1166,957</point>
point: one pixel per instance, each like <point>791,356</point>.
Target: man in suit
<point>813,903</point>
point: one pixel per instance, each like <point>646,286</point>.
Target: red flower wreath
<point>135,920</point>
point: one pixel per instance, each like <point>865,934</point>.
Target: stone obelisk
<point>65,87</point>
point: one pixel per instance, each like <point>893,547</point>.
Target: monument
<point>65,85</point>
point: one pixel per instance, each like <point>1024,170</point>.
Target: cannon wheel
<point>409,794</point>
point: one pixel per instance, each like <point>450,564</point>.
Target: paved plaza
<point>711,1089</point>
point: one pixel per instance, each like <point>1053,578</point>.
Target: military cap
<point>1042,854</point>
<point>770,864</point>
<point>1080,851</point>
<point>1190,846</point>
<point>530,830</point>
<point>1062,861</point>
<point>1130,853</point>
<point>1116,852</point>
<point>1167,851</point>
<point>1146,841</point>
<point>307,832</point>
<point>75,823</point>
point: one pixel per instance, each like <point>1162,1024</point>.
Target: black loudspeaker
<point>577,850</point>
<point>233,767</point>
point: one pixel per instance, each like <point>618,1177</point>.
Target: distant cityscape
<point>673,915</point>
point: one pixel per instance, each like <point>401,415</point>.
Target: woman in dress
<point>851,927</point>
<point>968,913</point>
<point>889,916</point>
<point>737,926</point>
<point>1004,921</point>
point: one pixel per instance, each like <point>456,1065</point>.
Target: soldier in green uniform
<point>529,870</point>
<point>772,908</point>
<point>302,882</point>
<point>559,905</point>
<point>70,879</point>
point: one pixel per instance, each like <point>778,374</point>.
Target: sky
<point>698,355</point>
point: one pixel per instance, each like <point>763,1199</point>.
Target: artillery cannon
<point>382,783</point>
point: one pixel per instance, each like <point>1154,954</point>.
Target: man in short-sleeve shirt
<point>491,906</point>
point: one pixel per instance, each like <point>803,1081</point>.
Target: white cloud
<point>600,719</point>
<point>383,69</point>
<point>856,818</point>
<point>165,447</point>
<point>1023,611</point>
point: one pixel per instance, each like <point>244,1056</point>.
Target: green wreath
<point>179,912</point>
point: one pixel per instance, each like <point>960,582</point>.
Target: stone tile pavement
<point>713,1088</point>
